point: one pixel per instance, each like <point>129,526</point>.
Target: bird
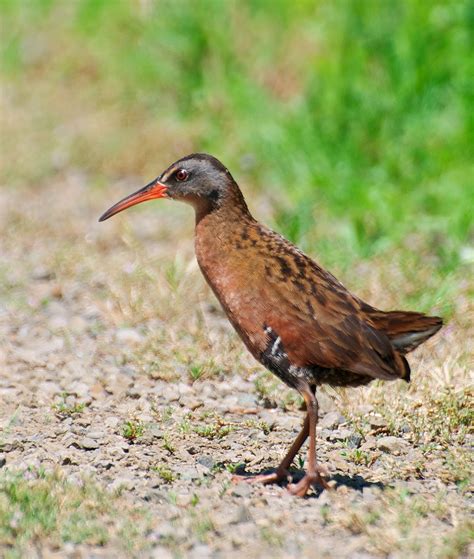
<point>293,316</point>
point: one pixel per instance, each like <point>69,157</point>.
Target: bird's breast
<point>263,283</point>
<point>235,275</point>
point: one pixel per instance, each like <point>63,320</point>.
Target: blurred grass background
<point>353,118</point>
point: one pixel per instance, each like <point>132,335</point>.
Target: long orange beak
<point>155,189</point>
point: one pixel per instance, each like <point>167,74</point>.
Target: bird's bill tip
<point>154,189</point>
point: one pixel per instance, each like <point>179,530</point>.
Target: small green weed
<point>133,429</point>
<point>300,461</point>
<point>202,526</point>
<point>262,425</point>
<point>65,409</point>
<point>168,445</point>
<point>196,372</point>
<point>271,536</point>
<point>214,431</point>
<point>233,467</point>
<point>167,413</point>
<point>358,456</point>
<point>165,473</point>
<point>185,424</point>
<point>199,370</point>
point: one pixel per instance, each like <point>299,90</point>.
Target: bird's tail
<point>406,329</point>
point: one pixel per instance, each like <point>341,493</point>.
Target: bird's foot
<point>302,487</point>
<point>274,477</point>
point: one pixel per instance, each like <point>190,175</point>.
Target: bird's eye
<point>182,174</point>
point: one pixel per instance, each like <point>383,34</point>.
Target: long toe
<point>274,477</point>
<point>322,482</point>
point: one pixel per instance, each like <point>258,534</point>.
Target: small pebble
<point>88,444</point>
<point>242,490</point>
<point>377,422</point>
<point>206,461</point>
<point>331,420</point>
<point>128,336</point>
<point>393,445</point>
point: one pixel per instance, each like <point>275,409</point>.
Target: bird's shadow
<point>356,482</point>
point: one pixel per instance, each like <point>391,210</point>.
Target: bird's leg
<point>282,470</point>
<point>313,471</point>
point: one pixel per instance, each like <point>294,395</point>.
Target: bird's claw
<point>302,487</point>
<point>297,489</point>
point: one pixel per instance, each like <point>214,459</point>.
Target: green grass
<point>406,514</point>
<point>437,423</point>
<point>50,509</point>
<point>443,417</point>
<point>354,118</point>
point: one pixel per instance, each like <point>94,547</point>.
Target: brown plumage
<point>295,318</point>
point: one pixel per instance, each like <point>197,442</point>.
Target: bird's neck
<point>218,230</point>
<point>222,213</point>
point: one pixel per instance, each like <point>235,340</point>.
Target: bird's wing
<point>321,323</point>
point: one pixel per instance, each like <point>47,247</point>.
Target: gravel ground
<point>119,372</point>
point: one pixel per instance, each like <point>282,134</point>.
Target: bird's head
<point>198,179</point>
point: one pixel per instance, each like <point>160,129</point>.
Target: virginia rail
<point>295,318</point>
